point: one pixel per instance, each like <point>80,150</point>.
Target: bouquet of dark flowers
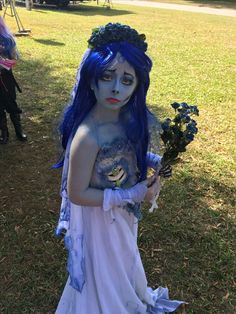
<point>176,134</point>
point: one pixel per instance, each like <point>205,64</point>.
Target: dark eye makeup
<point>108,75</point>
<point>128,79</point>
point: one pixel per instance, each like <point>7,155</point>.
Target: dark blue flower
<point>165,127</point>
<point>190,136</point>
<point>175,105</point>
<point>192,128</point>
<point>116,32</point>
<point>166,124</point>
<point>187,119</point>
<point>177,118</point>
<point>184,105</point>
<point>183,117</point>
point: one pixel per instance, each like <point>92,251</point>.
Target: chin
<point>114,106</point>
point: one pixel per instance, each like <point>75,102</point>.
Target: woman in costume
<point>105,136</point>
<point>8,86</point>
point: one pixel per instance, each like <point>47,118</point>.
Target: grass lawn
<point>230,4</point>
<point>188,244</point>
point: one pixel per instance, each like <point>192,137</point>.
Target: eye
<point>106,76</point>
<point>128,80</point>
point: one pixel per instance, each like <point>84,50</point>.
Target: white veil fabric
<point>74,232</point>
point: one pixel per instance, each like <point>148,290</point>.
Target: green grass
<point>188,244</point>
<point>230,4</point>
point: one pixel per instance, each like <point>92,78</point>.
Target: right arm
<point>83,153</point>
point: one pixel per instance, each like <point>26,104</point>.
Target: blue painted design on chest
<point>115,166</point>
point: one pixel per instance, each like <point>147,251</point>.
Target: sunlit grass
<point>230,4</point>
<point>189,243</point>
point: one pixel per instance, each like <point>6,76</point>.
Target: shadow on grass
<point>84,8</point>
<point>31,258</point>
<point>50,42</point>
<point>229,4</point>
<point>187,244</point>
<point>90,10</point>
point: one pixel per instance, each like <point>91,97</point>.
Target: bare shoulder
<point>84,140</point>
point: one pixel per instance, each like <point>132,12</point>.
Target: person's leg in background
<point>4,134</point>
<point>9,94</point>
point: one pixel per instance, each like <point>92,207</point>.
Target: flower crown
<point>116,32</point>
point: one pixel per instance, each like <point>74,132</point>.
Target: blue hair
<point>6,38</point>
<point>133,115</point>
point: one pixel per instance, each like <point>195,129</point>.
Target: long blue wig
<point>6,38</point>
<point>133,115</point>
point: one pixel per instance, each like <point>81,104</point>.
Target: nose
<point>115,92</point>
<point>116,87</point>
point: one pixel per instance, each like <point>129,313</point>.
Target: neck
<point>104,115</point>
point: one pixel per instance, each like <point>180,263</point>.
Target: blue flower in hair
<point>116,32</point>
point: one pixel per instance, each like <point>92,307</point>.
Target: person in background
<point>8,85</point>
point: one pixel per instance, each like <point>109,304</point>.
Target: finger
<point>167,167</point>
<point>166,172</point>
<point>166,175</point>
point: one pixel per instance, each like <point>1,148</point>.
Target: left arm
<point>153,161</point>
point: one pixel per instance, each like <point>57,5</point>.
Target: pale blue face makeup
<point>116,85</point>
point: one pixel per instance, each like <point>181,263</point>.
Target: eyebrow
<point>129,74</point>
<point>113,70</point>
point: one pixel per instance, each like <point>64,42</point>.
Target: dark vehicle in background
<point>58,3</point>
